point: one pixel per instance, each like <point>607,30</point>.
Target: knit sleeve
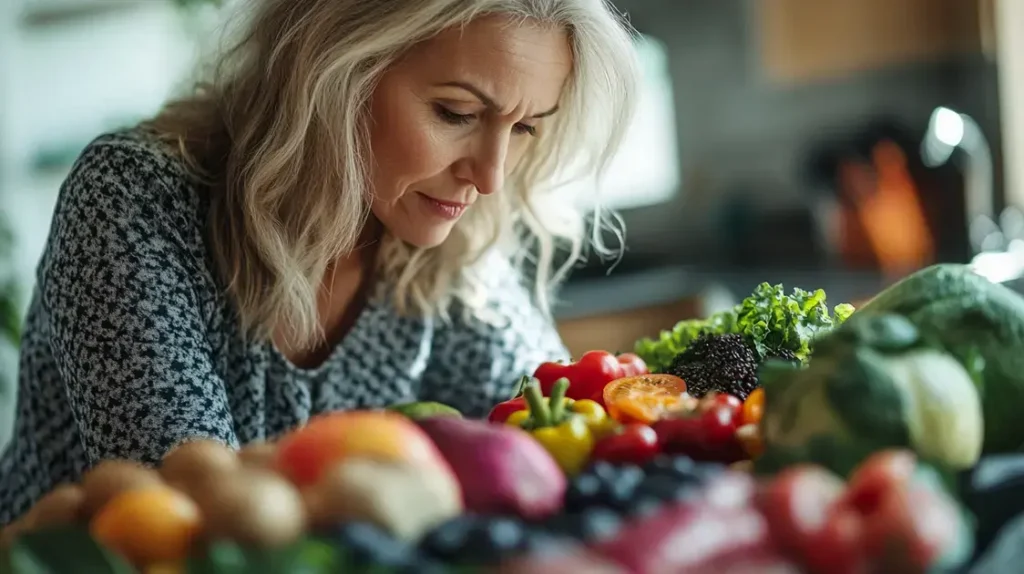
<point>477,362</point>
<point>119,282</point>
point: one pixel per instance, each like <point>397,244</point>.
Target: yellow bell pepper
<point>562,426</point>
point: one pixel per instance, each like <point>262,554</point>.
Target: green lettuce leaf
<point>770,320</point>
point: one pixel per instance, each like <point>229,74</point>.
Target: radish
<point>502,469</point>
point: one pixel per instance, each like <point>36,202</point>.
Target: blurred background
<point>837,144</point>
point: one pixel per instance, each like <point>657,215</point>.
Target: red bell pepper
<point>501,411</point>
<point>590,373</point>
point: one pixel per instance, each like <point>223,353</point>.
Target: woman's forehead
<point>512,61</point>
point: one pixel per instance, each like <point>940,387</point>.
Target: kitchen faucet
<point>997,247</point>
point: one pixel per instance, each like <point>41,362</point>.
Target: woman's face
<point>454,116</point>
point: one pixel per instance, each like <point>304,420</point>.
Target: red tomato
<point>725,399</point>
<point>909,529</point>
<point>838,547</point>
<point>719,425</point>
<point>632,444</point>
<point>679,436</point>
<point>876,476</point>
<point>796,505</point>
<point>632,365</point>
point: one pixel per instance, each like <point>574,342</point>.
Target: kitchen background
<point>818,143</point>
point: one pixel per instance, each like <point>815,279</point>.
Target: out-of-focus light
<point>946,131</point>
<point>1001,267</point>
<point>948,126</point>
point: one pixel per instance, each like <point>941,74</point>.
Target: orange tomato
<point>306,453</point>
<point>151,525</point>
<point>644,398</point>
<point>753,407</point>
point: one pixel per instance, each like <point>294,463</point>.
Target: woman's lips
<point>444,209</point>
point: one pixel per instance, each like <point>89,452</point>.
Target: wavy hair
<point>278,132</point>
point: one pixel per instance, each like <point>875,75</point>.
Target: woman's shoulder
<point>127,195</point>
<point>130,170</point>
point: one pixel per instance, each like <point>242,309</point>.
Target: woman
<point>338,220</point>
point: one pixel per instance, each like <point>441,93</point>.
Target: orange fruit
<point>644,398</point>
<point>304,455</point>
<point>152,525</point>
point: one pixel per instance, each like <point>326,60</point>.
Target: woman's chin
<point>423,236</point>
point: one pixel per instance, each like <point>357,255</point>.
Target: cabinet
<point>1009,18</point>
<point>806,40</point>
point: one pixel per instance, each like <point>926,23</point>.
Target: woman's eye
<point>524,129</point>
<point>451,117</point>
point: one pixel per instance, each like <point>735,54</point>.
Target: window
<point>646,169</point>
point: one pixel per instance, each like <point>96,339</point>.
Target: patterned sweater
<point>131,346</point>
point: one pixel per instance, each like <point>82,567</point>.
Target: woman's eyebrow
<point>487,100</point>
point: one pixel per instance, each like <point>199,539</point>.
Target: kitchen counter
<point>639,289</point>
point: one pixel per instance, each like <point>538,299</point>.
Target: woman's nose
<point>487,165</point>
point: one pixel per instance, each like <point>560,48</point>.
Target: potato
<point>61,507</point>
<point>110,478</point>
<point>10,532</point>
<point>254,508</point>
<point>403,499</point>
<point>192,464</point>
<point>258,455</point>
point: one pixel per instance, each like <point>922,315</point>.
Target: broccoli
<point>717,362</point>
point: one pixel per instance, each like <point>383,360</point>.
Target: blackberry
<point>723,363</point>
<point>783,355</point>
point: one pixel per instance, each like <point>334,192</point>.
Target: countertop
<point>637,289</point>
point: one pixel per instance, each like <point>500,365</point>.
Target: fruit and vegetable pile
<point>779,436</point>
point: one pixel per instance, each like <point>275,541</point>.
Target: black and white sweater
<point>131,345</point>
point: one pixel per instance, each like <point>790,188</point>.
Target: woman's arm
<point>475,365</point>
<point>120,285</point>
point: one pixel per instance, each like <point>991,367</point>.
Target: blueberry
<point>366,543</point>
<point>541,542</point>
<point>599,524</point>
<point>678,466</point>
<point>618,495</point>
<point>492,539</point>
<point>709,470</point>
<point>582,491</point>
<point>645,505</point>
<point>666,488</point>
<point>594,524</point>
<point>503,534</point>
<point>476,539</point>
<point>447,540</point>
<point>605,471</point>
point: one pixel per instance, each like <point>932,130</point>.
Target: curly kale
<point>771,322</point>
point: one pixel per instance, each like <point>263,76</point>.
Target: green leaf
<point>863,393</point>
<point>308,556</point>
<point>67,550</point>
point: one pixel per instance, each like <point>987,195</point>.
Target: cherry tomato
<point>716,399</point>
<point>632,365</point>
<point>632,444</point>
<point>680,436</point>
<point>876,476</point>
<point>838,547</point>
<point>753,407</point>
<point>719,426</point>
<point>910,529</point>
<point>796,505</point>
